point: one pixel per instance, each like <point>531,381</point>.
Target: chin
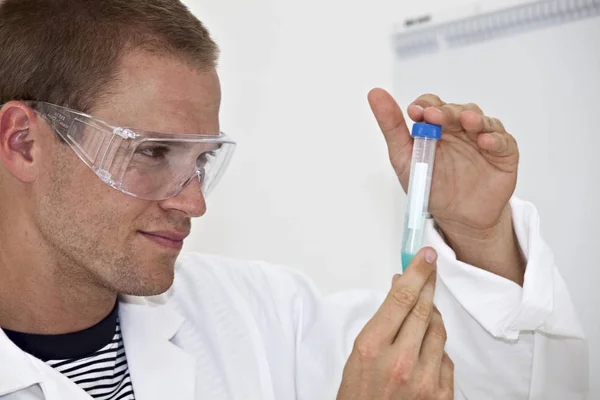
<point>152,288</point>
<point>148,281</point>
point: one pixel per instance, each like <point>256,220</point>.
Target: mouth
<point>169,240</point>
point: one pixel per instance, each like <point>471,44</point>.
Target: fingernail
<point>430,255</point>
<point>395,278</point>
<point>418,107</point>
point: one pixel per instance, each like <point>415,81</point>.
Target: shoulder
<point>256,279</point>
<point>232,272</point>
<point>252,284</point>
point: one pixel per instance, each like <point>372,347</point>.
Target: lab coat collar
<point>158,368</point>
<point>17,371</point>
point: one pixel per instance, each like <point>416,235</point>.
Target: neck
<point>41,291</point>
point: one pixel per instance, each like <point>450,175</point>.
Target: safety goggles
<point>143,164</point>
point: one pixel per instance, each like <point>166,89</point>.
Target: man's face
<point>104,236</point>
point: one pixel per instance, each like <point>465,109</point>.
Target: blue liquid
<point>412,240</point>
<point>406,259</point>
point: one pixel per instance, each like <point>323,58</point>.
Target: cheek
<point>83,210</point>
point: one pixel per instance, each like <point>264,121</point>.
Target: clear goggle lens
<point>147,165</point>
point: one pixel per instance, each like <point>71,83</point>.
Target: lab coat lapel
<point>17,371</point>
<point>229,332</point>
<point>22,371</point>
<point>159,369</point>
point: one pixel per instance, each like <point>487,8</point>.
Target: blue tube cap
<point>429,131</point>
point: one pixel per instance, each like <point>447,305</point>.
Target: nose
<point>189,201</point>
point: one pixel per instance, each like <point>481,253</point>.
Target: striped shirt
<point>103,375</point>
<point>94,358</point>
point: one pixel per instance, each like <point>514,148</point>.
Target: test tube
<point>421,168</point>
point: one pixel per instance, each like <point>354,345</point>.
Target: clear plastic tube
<point>419,186</point>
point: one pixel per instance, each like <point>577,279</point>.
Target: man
<point>95,299</point>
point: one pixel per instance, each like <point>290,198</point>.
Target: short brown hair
<point>67,52</point>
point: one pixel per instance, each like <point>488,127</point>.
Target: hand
<point>475,171</point>
<point>399,355</point>
<point>474,177</point>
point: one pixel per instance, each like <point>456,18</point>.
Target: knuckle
<point>423,310</point>
<point>504,144</point>
<point>453,107</point>
<point>401,371</point>
<point>421,268</point>
<point>366,349</point>
<point>437,327</point>
<point>513,141</point>
<point>452,110</point>
<point>439,331</point>
<point>430,99</point>
<point>497,123</point>
<point>447,363</point>
<point>473,107</point>
<point>432,278</point>
<point>405,297</point>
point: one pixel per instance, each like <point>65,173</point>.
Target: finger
<point>428,100</point>
<point>447,374</point>
<point>498,144</point>
<point>447,116</point>
<point>476,123</point>
<point>393,125</point>
<point>417,107</point>
<point>432,349</point>
<point>402,297</point>
<point>410,337</point>
<point>395,278</point>
<point>415,112</point>
<point>474,107</point>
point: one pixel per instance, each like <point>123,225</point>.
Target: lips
<point>171,235</point>
<point>169,239</point>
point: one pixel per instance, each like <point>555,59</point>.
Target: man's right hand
<point>400,354</point>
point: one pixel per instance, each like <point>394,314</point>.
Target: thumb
<point>392,123</point>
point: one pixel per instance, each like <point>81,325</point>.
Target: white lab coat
<point>247,330</point>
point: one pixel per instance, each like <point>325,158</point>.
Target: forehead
<point>163,94</point>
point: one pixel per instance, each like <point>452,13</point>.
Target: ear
<point>19,126</point>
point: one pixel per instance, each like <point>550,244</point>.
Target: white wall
<point>310,185</point>
<point>310,179</point>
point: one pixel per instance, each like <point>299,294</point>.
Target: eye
<point>154,152</point>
